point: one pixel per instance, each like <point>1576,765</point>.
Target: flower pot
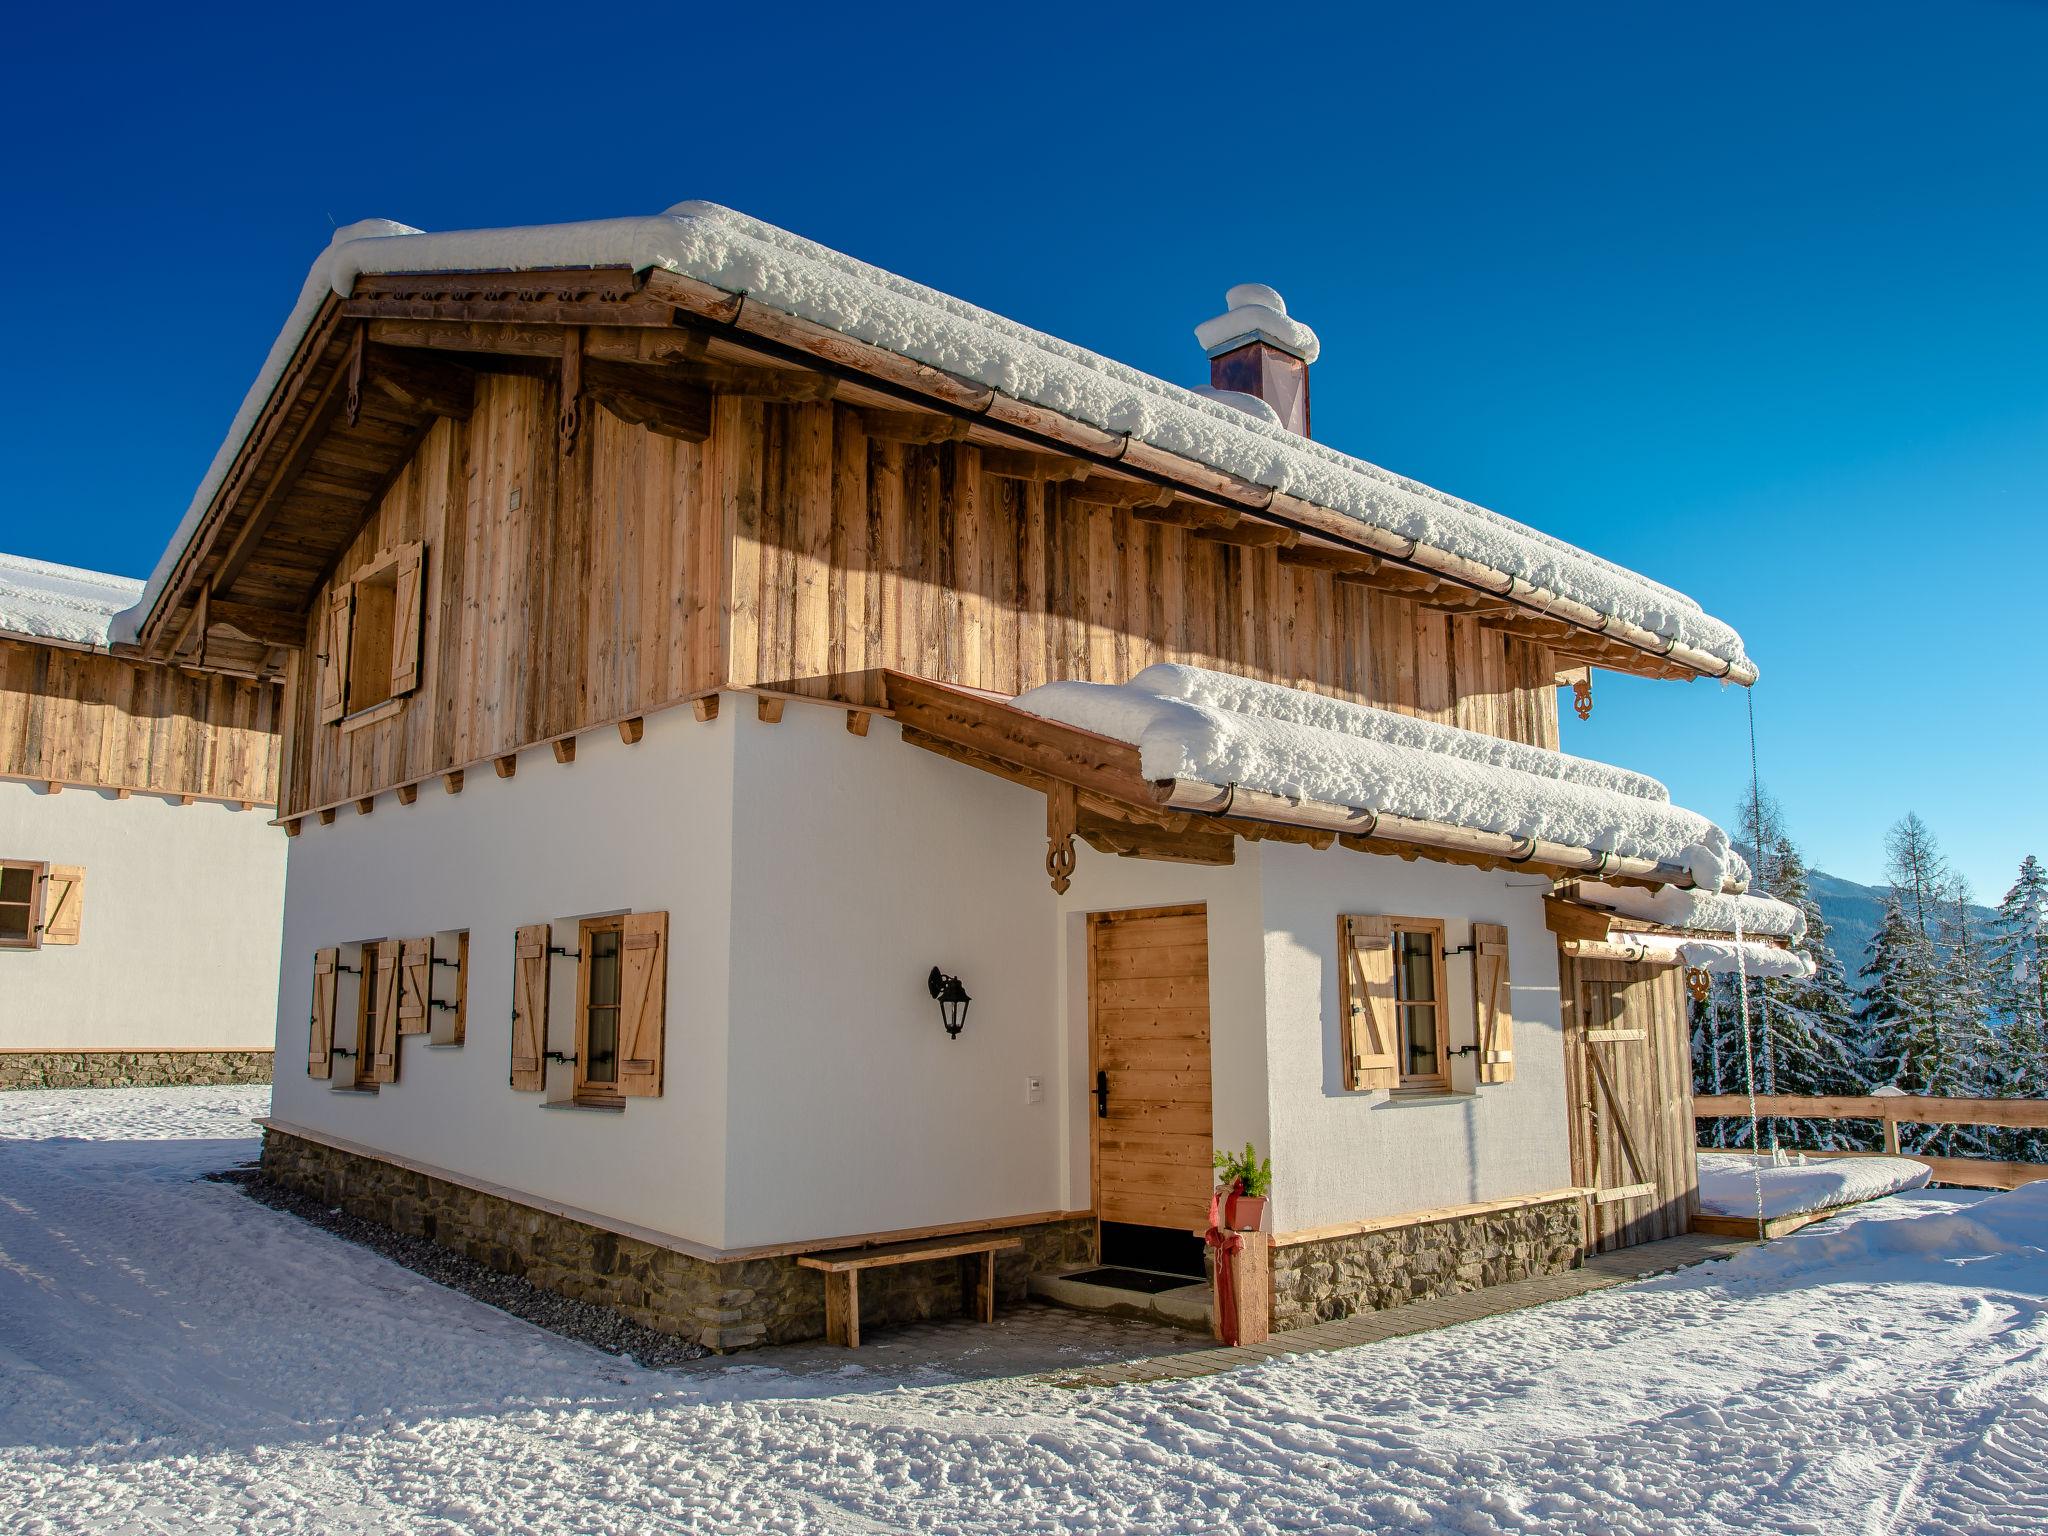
<point>1244,1213</point>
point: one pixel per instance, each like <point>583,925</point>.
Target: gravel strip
<point>578,1320</point>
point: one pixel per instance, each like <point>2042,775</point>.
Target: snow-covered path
<point>176,1357</point>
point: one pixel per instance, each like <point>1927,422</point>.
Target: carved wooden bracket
<point>1582,696</point>
<point>571,418</point>
<point>1061,816</point>
<point>352,401</point>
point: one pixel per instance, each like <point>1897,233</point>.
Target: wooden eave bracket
<point>1062,815</point>
<point>1575,920</point>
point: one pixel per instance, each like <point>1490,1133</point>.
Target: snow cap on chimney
<point>1256,313</point>
<point>1256,349</point>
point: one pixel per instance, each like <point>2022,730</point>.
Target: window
<point>597,1033</point>
<point>366,1015</point>
<point>376,1058</point>
<point>20,909</point>
<point>1419,999</point>
<point>370,642</point>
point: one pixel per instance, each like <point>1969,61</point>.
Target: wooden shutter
<point>415,986</point>
<point>320,1025</point>
<point>530,1008</point>
<point>384,1049</point>
<point>63,903</point>
<point>454,1034</point>
<point>1371,1038</point>
<point>643,997</point>
<point>1494,1006</point>
<point>406,609</point>
<point>335,638</point>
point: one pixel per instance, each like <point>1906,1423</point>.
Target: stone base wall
<point>722,1306</point>
<point>131,1069</point>
<point>1320,1281</point>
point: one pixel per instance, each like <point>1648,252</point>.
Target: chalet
<point>141,892</point>
<point>789,772</point>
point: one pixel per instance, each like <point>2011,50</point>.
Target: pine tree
<point>1802,1033</point>
<point>2017,968</point>
<point>1908,1048</point>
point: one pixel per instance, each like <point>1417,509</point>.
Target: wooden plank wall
<point>853,553</point>
<point>77,717</point>
<point>559,592</point>
<point>565,593</point>
<point>1654,1081</point>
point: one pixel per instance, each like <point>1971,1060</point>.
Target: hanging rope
<point>1756,807</point>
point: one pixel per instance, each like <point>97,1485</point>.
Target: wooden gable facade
<point>627,493</point>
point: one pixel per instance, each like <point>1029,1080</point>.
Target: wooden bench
<point>977,1256</point>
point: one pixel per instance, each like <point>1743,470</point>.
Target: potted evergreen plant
<point>1244,1180</point>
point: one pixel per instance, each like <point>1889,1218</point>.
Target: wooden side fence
<point>1895,1110</point>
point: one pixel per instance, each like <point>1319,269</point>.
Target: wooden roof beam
<point>1324,557</point>
<point>1045,468</point>
<point>422,382</point>
<point>646,398</point>
<point>1250,535</point>
<point>266,626</point>
<point>1105,491</point>
<point>1186,514</point>
<point>914,427</point>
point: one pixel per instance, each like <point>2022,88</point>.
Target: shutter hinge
<point>567,1060</point>
<point>566,954</point>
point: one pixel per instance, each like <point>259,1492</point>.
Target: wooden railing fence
<point>1895,1110</point>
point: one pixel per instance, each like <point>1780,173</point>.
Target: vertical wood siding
<point>81,718</point>
<point>791,551</point>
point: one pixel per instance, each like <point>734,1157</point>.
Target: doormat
<point>1148,1281</point>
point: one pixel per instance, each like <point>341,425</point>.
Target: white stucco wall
<point>1341,1156</point>
<point>858,865</point>
<point>179,944</point>
<point>646,827</point>
<point>813,878</point>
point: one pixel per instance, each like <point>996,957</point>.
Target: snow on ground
<point>176,1357</point>
<point>1729,1180</point>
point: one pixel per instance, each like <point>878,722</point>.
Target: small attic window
<point>369,658</point>
<point>370,651</point>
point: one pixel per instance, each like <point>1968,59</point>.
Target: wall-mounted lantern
<point>952,999</point>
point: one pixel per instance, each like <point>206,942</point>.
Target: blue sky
<point>1754,300</point>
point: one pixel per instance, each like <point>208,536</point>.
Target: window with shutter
<point>621,996</point>
<point>63,904</point>
<point>1493,999</point>
<point>320,1020</point>
<point>21,904</point>
<point>530,1009</point>
<point>1395,1003</point>
<point>374,630</point>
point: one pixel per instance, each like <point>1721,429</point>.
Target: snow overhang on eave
<point>764,282</point>
<point>1087,774</point>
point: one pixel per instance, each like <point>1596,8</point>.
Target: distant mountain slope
<point>1853,913</point>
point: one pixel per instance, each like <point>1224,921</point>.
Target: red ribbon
<point>1226,1243</point>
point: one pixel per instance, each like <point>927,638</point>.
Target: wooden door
<point>1148,1029</point>
<point>1628,1071</point>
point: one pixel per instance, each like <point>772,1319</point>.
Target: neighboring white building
<point>141,890</point>
<point>703,650</point>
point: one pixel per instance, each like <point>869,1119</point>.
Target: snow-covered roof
<point>1213,728</point>
<point>798,277</point>
<point>1752,913</point>
<point>61,602</point>
<point>1725,957</point>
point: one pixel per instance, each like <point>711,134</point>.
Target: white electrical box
<point>1034,1090</point>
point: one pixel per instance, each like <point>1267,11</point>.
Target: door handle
<point>1102,1095</point>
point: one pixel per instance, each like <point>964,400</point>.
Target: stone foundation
<point>722,1306</point>
<point>131,1069</point>
<point>1369,1271</point>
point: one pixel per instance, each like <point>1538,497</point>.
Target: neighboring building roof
<point>1208,728</point>
<point>61,602</point>
<point>786,273</point>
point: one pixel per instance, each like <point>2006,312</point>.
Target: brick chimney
<point>1255,349</point>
